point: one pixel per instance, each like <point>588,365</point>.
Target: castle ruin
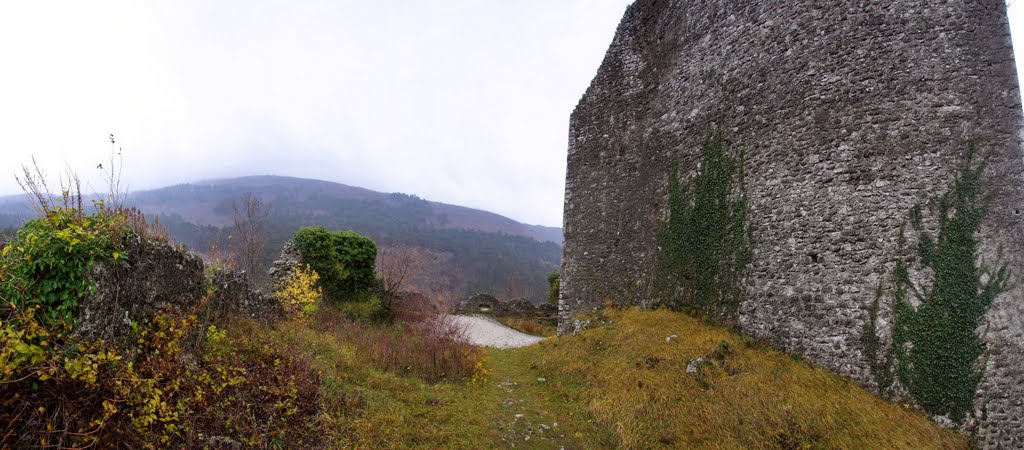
<point>850,114</point>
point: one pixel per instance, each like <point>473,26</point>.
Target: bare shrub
<point>217,257</point>
<point>117,193</point>
<point>397,266</point>
<point>33,181</point>
<point>514,285</point>
<point>429,344</point>
<point>415,308</point>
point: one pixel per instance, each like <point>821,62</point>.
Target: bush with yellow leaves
<point>156,394</point>
<point>299,294</point>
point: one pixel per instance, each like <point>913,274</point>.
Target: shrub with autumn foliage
<point>166,388</point>
<point>300,294</point>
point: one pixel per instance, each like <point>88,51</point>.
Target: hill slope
<point>622,385</point>
<point>209,203</point>
<point>466,250</point>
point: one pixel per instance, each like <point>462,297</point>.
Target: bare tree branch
<point>397,265</point>
<point>250,220</point>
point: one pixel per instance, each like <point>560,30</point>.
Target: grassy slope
<point>371,408</point>
<point>620,385</point>
<point>634,381</point>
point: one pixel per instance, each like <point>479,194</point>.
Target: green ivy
<point>936,347</point>
<point>554,286</point>
<point>880,366</point>
<point>46,264</point>
<point>705,245</point>
<point>345,260</point>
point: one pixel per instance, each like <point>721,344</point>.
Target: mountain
<point>465,250</point>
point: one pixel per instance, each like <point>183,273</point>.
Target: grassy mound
<point>632,377</point>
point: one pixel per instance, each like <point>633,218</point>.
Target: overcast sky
<point>460,101</point>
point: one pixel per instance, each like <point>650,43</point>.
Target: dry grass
<point>529,326</point>
<point>369,405</point>
<point>433,348</point>
<point>631,379</point>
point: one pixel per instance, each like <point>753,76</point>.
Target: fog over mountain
<point>465,250</point>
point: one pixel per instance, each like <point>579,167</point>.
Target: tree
<point>554,284</point>
<point>250,227</point>
<point>397,265</point>
<point>514,285</point>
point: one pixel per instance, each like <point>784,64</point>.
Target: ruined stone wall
<point>159,277</point>
<point>850,113</point>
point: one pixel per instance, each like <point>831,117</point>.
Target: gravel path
<point>487,332</point>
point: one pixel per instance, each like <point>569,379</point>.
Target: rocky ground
<point>487,332</point>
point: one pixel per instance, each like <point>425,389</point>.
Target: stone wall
<point>850,114</point>
<point>157,276</point>
<point>154,276</point>
<point>520,307</point>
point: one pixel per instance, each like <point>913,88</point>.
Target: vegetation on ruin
<point>334,376</point>
<point>329,380</point>
<point>705,242</point>
<point>173,385</point>
<point>344,261</point>
<point>180,382</point>
<point>936,350</point>
<point>554,287</point>
<point>43,268</point>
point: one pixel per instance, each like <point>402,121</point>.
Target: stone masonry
<point>851,113</point>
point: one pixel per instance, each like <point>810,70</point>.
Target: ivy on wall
<point>880,366</point>
<point>705,243</point>
<point>936,348</point>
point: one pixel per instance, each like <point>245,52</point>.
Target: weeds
<point>433,348</point>
<point>152,395</point>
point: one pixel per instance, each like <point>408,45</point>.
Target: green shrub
<point>344,260</point>
<point>47,262</point>
<point>554,283</point>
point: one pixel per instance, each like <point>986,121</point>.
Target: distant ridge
<point>156,201</point>
<point>470,250</point>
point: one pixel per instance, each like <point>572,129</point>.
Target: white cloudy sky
<point>461,101</point>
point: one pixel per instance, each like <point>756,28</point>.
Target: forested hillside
<point>464,250</point>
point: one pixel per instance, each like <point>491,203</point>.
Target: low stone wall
<point>154,277</point>
<point>520,307</point>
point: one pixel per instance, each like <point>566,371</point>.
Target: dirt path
<point>487,332</point>
<point>533,413</point>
